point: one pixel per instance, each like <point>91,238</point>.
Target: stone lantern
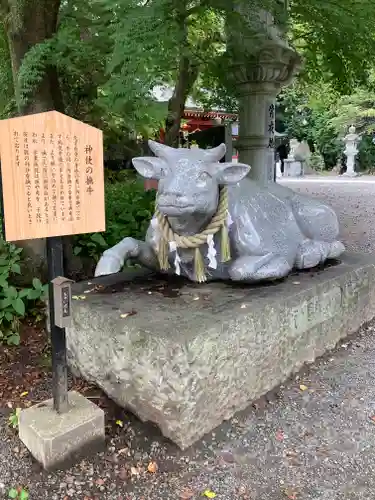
<point>351,140</point>
<point>259,74</point>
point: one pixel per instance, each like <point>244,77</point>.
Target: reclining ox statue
<point>213,222</point>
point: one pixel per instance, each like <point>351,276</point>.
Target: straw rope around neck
<point>219,222</point>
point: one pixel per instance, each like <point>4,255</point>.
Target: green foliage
<point>13,419</point>
<point>110,54</point>
<point>129,210</point>
<point>14,301</point>
<point>18,494</point>
<point>356,109</point>
<point>307,112</point>
<point>126,175</point>
<point>318,114</point>
<point>33,69</point>
<point>366,156</point>
<point>7,101</point>
<point>336,39</point>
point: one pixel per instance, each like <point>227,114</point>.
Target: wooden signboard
<point>52,176</point>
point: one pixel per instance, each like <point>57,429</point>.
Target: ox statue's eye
<point>162,173</point>
<point>203,178</point>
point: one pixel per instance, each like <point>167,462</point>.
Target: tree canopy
<point>99,60</point>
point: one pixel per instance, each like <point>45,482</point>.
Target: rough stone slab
<point>191,356</point>
<point>57,440</point>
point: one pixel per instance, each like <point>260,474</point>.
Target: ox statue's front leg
<point>114,258</point>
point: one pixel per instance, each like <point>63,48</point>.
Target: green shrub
<point>14,301</point>
<point>129,209</point>
<point>366,157</point>
<point>125,175</point>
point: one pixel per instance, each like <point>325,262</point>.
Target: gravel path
<point>353,201</point>
<point>312,439</point>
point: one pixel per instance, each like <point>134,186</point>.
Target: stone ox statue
<point>213,222</point>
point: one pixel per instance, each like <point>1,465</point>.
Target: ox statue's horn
<point>160,150</point>
<point>215,154</point>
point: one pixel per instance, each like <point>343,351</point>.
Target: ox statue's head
<point>189,179</point>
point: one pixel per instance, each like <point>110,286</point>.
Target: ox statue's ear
<point>149,167</point>
<point>230,173</point>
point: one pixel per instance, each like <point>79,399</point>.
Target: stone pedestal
<point>293,168</point>
<point>187,357</point>
<point>55,440</point>
<point>279,174</point>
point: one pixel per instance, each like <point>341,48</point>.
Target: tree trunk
<point>187,75</point>
<point>30,22</point>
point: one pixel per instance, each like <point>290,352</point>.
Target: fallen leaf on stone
<point>125,315</point>
<point>122,451</point>
<point>123,474</point>
<point>23,394</point>
<point>120,423</point>
<point>186,494</point>
<point>152,467</point>
<point>280,435</point>
<point>290,493</point>
<point>303,387</point>
<point>134,471</point>
<point>13,493</point>
<point>209,494</point>
<point>78,297</point>
<point>291,453</point>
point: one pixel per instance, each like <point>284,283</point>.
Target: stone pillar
<point>256,130</point>
<point>258,76</point>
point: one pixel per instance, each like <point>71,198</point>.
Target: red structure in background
<point>196,121</point>
<point>202,120</point>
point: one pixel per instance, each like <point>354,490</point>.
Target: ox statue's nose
<point>172,198</point>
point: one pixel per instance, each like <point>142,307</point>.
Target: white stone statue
<point>294,143</point>
<point>351,141</point>
<point>213,222</point>
<point>293,165</point>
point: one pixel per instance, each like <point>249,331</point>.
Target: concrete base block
<point>188,356</point>
<point>56,441</point>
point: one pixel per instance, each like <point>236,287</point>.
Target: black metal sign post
<point>55,265</point>
<point>2,206</point>
<point>228,143</point>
